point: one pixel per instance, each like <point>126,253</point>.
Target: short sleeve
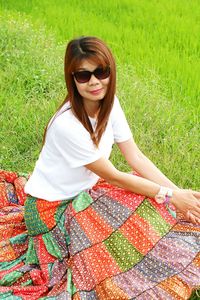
<point>73,141</point>
<point>121,129</point>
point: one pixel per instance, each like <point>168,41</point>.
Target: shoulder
<point>116,102</point>
<point>116,107</point>
<point>67,126</point>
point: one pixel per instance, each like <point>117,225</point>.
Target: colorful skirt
<point>105,244</point>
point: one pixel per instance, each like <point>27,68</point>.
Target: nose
<point>93,80</point>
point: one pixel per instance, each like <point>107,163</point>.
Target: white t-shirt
<point>60,171</point>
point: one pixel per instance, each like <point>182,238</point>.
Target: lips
<point>95,92</point>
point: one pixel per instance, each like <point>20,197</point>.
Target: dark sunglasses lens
<point>82,76</point>
<point>102,73</point>
<point>99,73</point>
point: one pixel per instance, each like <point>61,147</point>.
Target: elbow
<point>138,159</point>
<point>114,179</point>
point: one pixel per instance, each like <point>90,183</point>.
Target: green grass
<point>155,34</point>
<point>163,114</point>
<point>156,45</point>
<point>31,85</point>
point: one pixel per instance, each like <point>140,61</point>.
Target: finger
<point>197,221</point>
<point>196,194</point>
<point>188,214</point>
<point>196,209</point>
<point>193,219</point>
<point>195,213</point>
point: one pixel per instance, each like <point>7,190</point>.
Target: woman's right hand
<point>187,202</point>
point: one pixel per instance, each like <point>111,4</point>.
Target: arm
<point>105,169</point>
<point>135,158</point>
<point>142,165</point>
<point>184,200</point>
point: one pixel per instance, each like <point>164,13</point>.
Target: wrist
<point>174,197</point>
<point>164,196</point>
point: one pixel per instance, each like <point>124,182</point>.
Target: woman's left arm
<point>142,165</point>
<point>186,201</point>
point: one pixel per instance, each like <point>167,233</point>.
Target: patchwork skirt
<point>105,244</point>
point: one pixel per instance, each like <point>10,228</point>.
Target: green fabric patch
<point>10,278</point>
<point>21,174</point>
<point>70,285</point>
<point>82,201</point>
<point>51,245</point>
<point>28,282</point>
<point>149,213</point>
<point>9,296</point>
<point>62,227</point>
<point>172,212</point>
<point>60,210</point>
<point>50,267</point>
<point>122,251</point>
<point>19,239</point>
<point>10,264</point>
<point>49,298</point>
<point>31,254</point>
<point>32,218</point>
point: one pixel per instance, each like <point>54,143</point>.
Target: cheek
<point>80,88</point>
<point>105,82</point>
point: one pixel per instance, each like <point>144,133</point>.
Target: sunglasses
<point>99,73</point>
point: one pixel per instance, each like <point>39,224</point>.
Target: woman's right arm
<point>184,200</point>
<point>105,169</point>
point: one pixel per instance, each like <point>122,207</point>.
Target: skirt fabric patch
<point>105,244</point>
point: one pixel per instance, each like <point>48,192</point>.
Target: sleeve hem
<point>124,139</point>
<point>88,161</point>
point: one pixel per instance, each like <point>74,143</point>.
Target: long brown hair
<point>96,51</point>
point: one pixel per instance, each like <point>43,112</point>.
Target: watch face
<point>160,199</point>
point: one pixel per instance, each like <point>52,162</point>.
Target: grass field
<point>157,48</point>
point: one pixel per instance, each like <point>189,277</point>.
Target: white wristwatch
<point>164,195</point>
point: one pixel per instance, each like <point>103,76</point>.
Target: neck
<point>92,109</point>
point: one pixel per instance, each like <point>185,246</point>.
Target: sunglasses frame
<point>105,74</point>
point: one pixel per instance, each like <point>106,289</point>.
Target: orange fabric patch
<point>19,187</point>
<point>95,260</point>
<point>76,297</point>
<point>127,199</point>
<point>176,287</point>
<point>3,195</point>
<point>186,228</point>
<point>95,228</point>
<point>110,291</point>
<point>44,256</point>
<point>47,211</point>
<point>140,233</point>
<point>11,223</point>
<point>8,176</point>
<point>196,261</point>
<point>6,251</point>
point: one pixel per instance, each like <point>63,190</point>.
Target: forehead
<point>87,65</point>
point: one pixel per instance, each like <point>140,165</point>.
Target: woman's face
<point>95,89</point>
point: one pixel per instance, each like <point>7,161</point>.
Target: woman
<point>86,238</point>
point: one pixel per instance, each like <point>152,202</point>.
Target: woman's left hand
<point>187,202</point>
